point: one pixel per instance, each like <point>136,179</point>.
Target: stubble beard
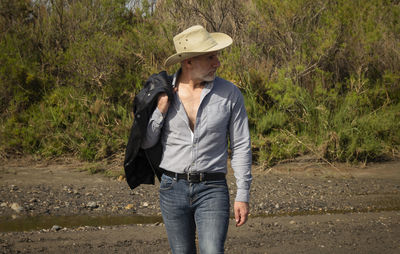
<point>210,76</point>
<point>205,76</point>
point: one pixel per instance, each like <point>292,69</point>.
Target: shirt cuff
<point>242,195</point>
<point>158,117</point>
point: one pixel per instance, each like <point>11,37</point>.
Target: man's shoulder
<point>226,85</point>
<point>223,81</point>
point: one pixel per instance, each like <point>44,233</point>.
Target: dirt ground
<point>301,206</point>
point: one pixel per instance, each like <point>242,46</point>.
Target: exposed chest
<point>191,102</point>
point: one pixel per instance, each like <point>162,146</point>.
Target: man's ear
<point>187,63</point>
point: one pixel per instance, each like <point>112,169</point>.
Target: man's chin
<point>210,78</point>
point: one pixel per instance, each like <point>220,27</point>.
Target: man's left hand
<point>241,212</point>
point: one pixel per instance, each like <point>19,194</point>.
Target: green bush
<point>69,122</point>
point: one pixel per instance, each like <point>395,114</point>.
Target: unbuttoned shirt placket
<point>195,133</point>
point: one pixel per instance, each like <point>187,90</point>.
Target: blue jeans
<point>186,206</point>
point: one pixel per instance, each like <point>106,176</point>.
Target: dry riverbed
<point>303,206</point>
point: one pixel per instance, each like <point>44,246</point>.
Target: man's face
<point>205,67</point>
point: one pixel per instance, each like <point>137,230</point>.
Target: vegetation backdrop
<point>319,77</point>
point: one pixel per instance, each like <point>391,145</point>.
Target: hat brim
<point>222,40</point>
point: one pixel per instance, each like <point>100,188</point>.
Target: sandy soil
<point>302,206</point>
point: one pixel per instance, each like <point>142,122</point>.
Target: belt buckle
<point>192,178</point>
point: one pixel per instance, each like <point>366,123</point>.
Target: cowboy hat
<point>196,41</point>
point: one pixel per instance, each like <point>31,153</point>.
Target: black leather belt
<point>196,177</point>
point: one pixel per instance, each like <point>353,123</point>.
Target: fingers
<point>241,210</point>
<point>237,215</point>
<point>163,103</point>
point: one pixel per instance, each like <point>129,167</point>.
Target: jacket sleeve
<point>153,129</point>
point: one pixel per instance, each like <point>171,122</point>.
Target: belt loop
<point>201,176</point>
<point>176,177</point>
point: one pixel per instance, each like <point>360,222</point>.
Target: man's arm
<point>241,159</point>
<point>156,122</point>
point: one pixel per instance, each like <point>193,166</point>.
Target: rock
<point>16,207</point>
<point>129,206</point>
<point>92,205</point>
<point>56,228</point>
<point>4,204</point>
<point>292,222</point>
<point>145,204</point>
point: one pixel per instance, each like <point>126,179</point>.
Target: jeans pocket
<point>166,183</point>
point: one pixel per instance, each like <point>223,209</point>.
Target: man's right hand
<point>163,103</point>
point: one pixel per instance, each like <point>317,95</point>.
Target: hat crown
<point>194,39</point>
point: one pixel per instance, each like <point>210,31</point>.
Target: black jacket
<point>141,165</point>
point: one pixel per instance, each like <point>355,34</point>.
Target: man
<point>194,128</point>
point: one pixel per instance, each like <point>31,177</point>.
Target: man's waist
<point>196,177</point>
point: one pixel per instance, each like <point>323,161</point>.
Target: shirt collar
<point>175,77</point>
<point>208,85</point>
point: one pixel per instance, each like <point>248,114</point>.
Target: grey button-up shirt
<point>221,115</point>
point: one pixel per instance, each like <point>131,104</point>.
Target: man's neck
<point>185,80</point>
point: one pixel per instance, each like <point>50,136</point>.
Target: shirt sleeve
<point>153,129</point>
<point>240,145</point>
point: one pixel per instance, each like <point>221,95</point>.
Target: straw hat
<point>196,41</point>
